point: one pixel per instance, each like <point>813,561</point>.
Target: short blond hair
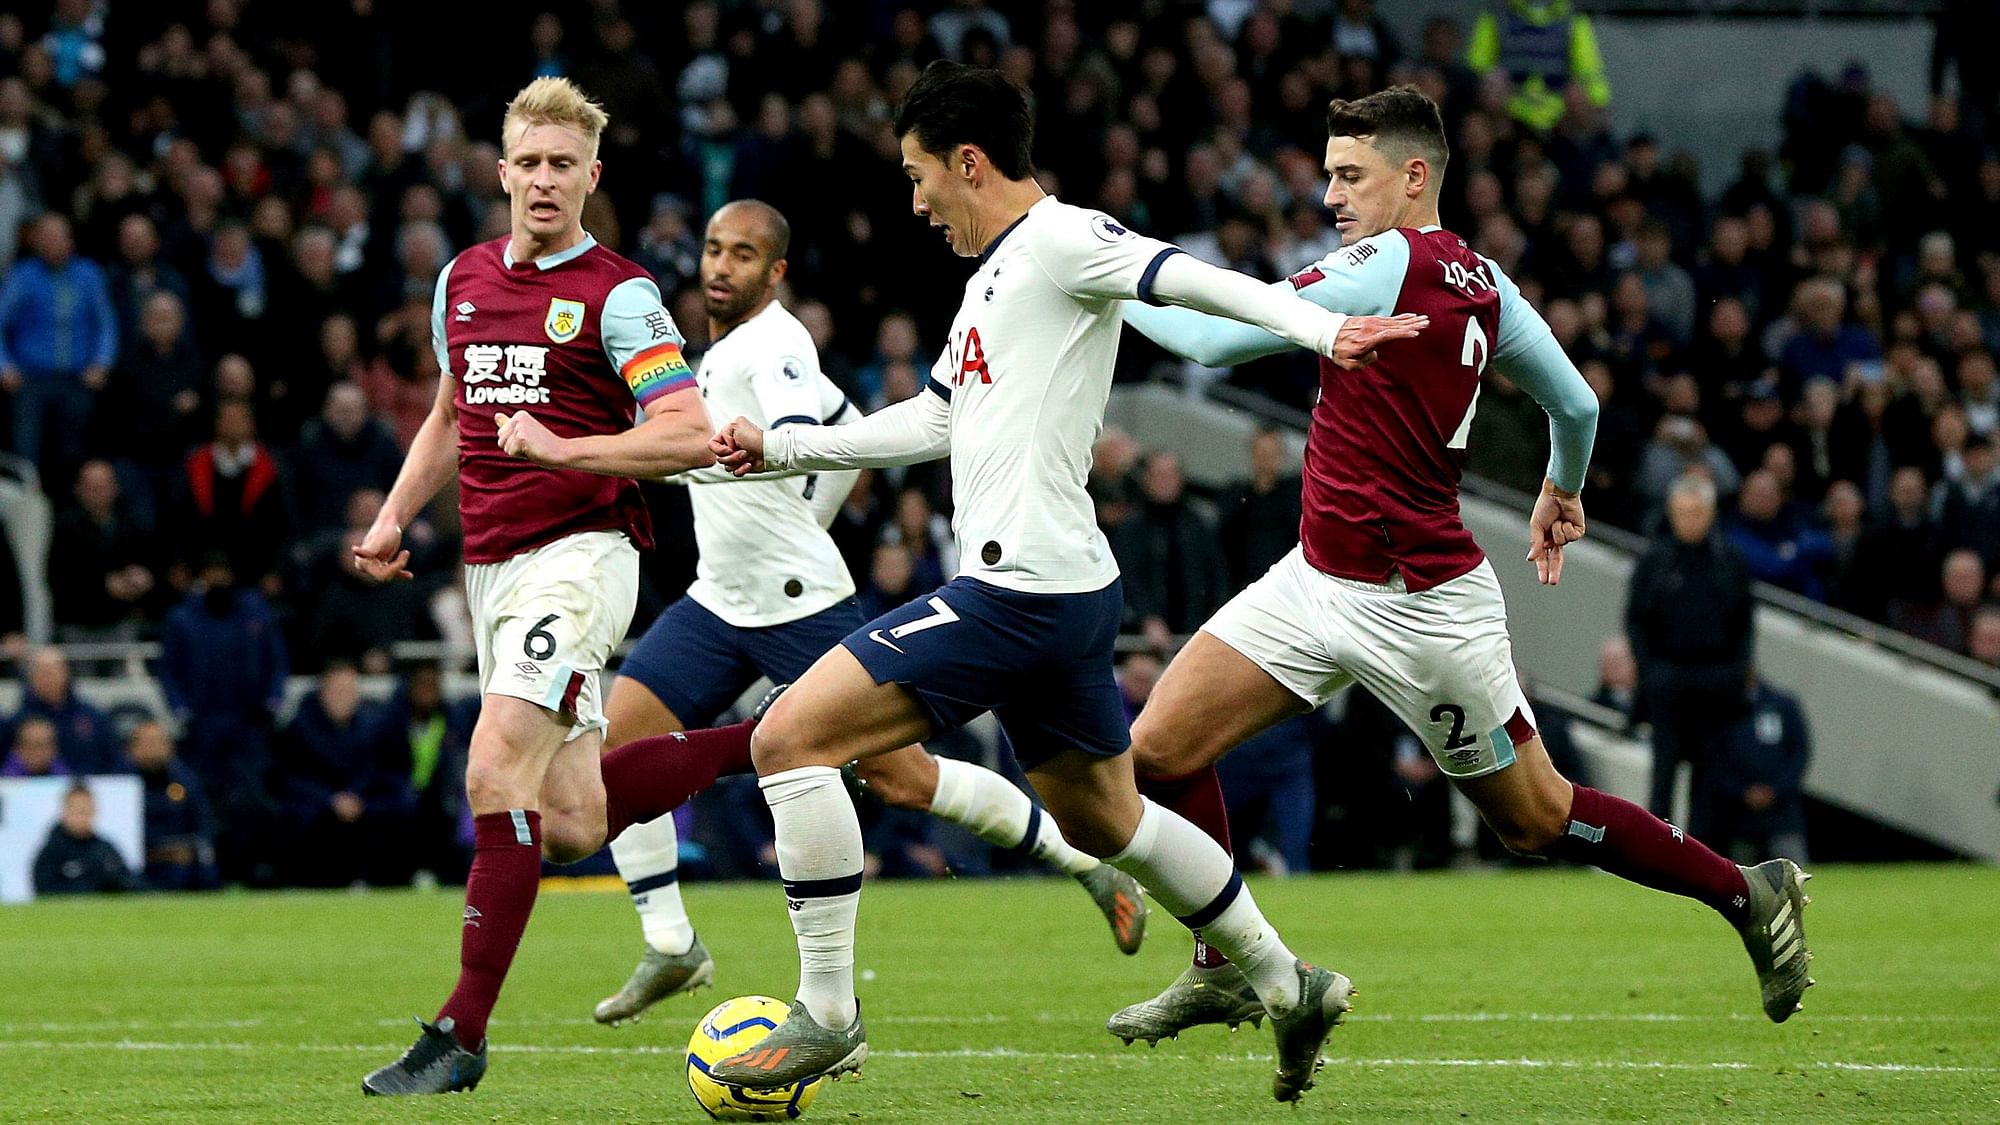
<point>555,101</point>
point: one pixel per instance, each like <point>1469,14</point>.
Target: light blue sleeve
<point>438,345</point>
<point>1527,353</point>
<point>1359,280</point>
<point>642,342</point>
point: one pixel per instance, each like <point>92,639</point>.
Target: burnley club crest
<point>565,320</point>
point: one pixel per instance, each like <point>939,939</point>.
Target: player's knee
<point>1531,831</point>
<point>489,788</point>
<point>1158,753</point>
<point>776,746</point>
<point>896,789</point>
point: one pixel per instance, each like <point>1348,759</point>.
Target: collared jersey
<point>577,339</point>
<point>1025,376</point>
<point>766,558</point>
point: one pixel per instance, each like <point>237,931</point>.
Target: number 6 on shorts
<point>540,644</point>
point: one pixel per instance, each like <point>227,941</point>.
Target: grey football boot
<point>1117,895</point>
<point>434,1064</point>
<point>658,976</point>
<point>797,1049</point>
<point>1775,935</point>
<point>1324,999</point>
<point>1198,996</point>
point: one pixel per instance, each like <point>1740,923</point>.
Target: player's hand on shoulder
<point>1556,522</point>
<point>523,435</point>
<point>376,557</point>
<point>1354,346</point>
<point>739,447</point>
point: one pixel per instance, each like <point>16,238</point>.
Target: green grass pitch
<point>1535,995</point>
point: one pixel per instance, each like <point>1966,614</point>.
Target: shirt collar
<point>1002,236</point>
<point>550,261</point>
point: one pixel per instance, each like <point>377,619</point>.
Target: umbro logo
<point>465,310</point>
<point>529,669</point>
<point>472,916</point>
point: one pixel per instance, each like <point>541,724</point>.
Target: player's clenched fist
<point>1354,346</point>
<point>523,435</point>
<point>739,447</point>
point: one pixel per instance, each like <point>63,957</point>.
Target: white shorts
<point>546,620</point>
<point>1440,659</point>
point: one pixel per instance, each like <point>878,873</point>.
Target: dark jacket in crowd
<point>84,735</point>
<point>222,657</point>
<point>68,865</point>
<point>1690,607</point>
<point>1258,528</point>
<point>1769,745</point>
<point>1173,567</point>
<point>328,469</point>
<point>177,808</point>
<point>82,554</point>
<point>317,757</point>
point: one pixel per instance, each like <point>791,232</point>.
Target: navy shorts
<point>698,664</point>
<point>1040,662</point>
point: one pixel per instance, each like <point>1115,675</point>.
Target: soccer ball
<point>730,1028</point>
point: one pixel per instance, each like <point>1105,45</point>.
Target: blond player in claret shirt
<point>547,344</point>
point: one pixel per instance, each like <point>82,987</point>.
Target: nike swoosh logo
<point>876,636</point>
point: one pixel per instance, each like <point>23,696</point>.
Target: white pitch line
<point>1009,1054</point>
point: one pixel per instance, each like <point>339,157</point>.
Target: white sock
<point>819,856</point>
<point>648,857</point>
<point>1190,875</point>
<point>996,811</point>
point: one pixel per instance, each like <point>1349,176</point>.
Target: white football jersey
<point>766,558</point>
<point>1026,376</point>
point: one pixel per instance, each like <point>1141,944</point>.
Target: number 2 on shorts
<point>1456,740</point>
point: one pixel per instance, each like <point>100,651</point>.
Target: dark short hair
<point>777,229</point>
<point>1402,120</point>
<point>953,104</point>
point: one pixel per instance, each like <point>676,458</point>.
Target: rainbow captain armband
<point>658,371</point>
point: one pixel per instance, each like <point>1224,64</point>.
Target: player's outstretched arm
<point>916,429</point>
<point>432,460</point>
<point>673,438</point>
<point>1348,341</point>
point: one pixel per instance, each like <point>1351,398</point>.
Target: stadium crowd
<point>221,223</point>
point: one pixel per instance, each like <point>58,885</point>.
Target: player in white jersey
<point>1026,629</point>
<point>1388,588</point>
<point>771,595</point>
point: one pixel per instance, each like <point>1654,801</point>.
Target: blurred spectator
<point>1759,805</point>
<point>222,668</point>
<point>1541,47</point>
<point>1824,344</point>
<point>1617,678</point>
<point>233,497</point>
<point>1172,567</point>
<point>149,414</point>
<point>1138,674</point>
<point>139,274</point>
<point>345,797</point>
<point>101,564</point>
<point>340,452</point>
<point>1782,544</point>
<point>928,538</point>
<point>35,752</point>
<point>58,340</point>
<point>1669,289</point>
<point>963,21</point>
<point>1259,521</point>
<point>76,860</point>
<point>1688,618</point>
<point>1985,643</point>
<point>1946,622</point>
<point>438,734</point>
<point>1845,518</point>
<point>891,581</point>
<point>358,621</point>
<point>1898,559</point>
<point>180,827</point>
<point>1680,446</point>
<point>1967,507</point>
<point>84,734</point>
